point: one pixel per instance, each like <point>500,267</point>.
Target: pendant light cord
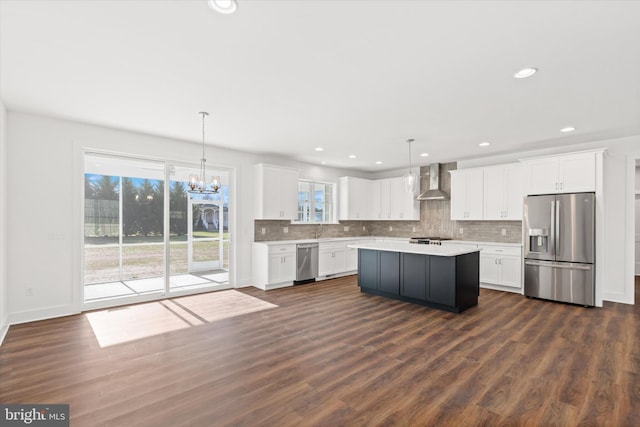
<point>410,141</point>
<point>203,160</point>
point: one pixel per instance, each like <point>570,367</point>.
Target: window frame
<point>332,203</point>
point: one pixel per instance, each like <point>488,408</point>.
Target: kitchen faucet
<point>318,231</point>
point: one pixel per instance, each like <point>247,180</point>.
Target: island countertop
<point>413,248</point>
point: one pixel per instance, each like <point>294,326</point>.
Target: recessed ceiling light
<point>484,144</point>
<point>352,156</point>
<point>319,149</point>
<point>567,129</point>
<point>378,162</point>
<point>424,155</point>
<point>223,6</point>
<point>525,72</point>
<point>323,162</point>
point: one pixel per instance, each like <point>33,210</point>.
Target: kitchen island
<point>441,277</point>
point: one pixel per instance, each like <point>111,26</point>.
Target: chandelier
<point>198,183</point>
<point>410,179</point>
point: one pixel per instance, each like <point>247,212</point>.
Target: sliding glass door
<point>127,238</point>
<point>199,249</point>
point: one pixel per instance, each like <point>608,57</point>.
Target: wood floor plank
<point>325,354</point>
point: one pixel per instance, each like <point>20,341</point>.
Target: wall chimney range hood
<point>433,192</point>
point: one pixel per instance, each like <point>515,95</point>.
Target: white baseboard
<point>245,283</point>
<point>502,288</point>
<point>619,298</point>
<point>42,314</point>
<point>3,330</point>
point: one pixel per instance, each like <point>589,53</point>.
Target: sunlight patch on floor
<point>129,323</point>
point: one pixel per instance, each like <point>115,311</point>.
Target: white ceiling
<point>352,76</point>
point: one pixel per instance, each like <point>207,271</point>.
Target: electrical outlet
<point>413,229</point>
<point>461,230</point>
<point>390,228</point>
<point>29,292</point>
<point>364,228</point>
<point>285,230</point>
<point>264,231</point>
<point>346,228</point>
<point>504,231</point>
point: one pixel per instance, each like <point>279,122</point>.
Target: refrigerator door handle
<point>554,265</point>
<point>558,239</point>
<point>552,242</point>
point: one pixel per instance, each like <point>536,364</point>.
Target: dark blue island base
<point>450,283</point>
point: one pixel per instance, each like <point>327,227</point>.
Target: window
<point>315,202</point>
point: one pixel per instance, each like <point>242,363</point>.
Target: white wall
<point>44,215</point>
<point>44,181</point>
<point>3,225</point>
<point>637,221</point>
<point>618,175</point>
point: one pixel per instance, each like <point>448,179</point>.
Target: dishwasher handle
<point>306,245</point>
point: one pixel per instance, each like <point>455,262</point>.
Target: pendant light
<point>410,179</point>
<point>198,183</point>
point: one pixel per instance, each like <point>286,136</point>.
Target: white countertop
<point>473,242</point>
<point>372,238</point>
<point>331,239</point>
<point>412,248</point>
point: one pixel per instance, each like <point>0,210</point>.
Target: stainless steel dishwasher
<point>307,262</point>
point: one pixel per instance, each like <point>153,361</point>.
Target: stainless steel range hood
<point>433,191</point>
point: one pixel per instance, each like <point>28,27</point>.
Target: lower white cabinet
<point>331,258</point>
<point>351,256</point>
<point>501,265</point>
<point>274,266</point>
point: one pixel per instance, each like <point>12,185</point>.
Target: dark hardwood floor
<point>329,355</point>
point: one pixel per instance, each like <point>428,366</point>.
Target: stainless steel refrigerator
<point>559,257</point>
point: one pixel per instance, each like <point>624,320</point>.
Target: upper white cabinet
<point>503,192</point>
<point>355,194</point>
<point>404,205</point>
<point>276,192</point>
<point>382,199</point>
<point>466,194</point>
<point>569,173</point>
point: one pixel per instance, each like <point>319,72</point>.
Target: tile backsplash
<point>275,230</point>
<point>435,220</point>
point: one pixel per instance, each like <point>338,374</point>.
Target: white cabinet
<point>351,258</point>
<point>570,173</point>
<point>466,194</point>
<point>404,206</point>
<point>376,195</point>
<point>331,258</point>
<point>276,192</point>
<point>274,266</point>
<point>503,192</point>
<point>380,200</point>
<point>354,198</point>
<point>501,265</point>
<point>351,255</point>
